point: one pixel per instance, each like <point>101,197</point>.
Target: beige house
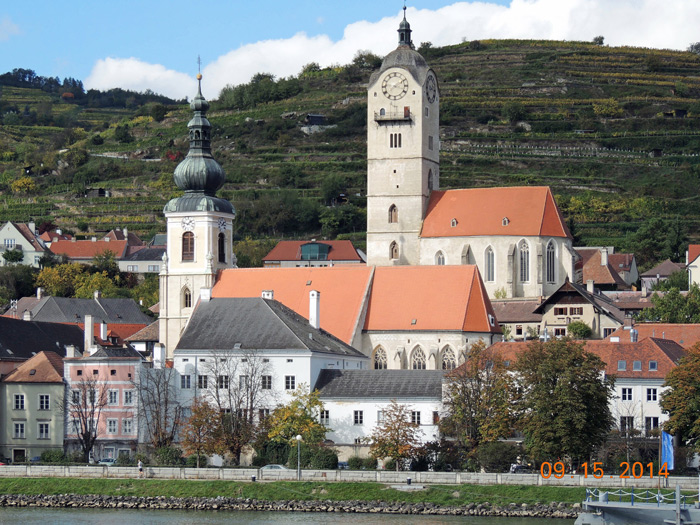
<point>22,237</point>
<point>31,420</point>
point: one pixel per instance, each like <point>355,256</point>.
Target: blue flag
<point>667,450</point>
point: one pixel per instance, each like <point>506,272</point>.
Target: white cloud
<point>646,23</point>
<point>7,29</point>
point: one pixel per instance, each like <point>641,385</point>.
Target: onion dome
<point>199,174</point>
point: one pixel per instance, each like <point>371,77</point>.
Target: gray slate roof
<point>389,384</point>
<point>115,352</point>
<point>69,310</point>
<point>256,324</point>
<point>147,254</point>
<point>22,339</point>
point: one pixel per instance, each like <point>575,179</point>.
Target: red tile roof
<point>693,252</point>
<point>685,335</point>
<point>601,274</point>
<point>409,298</point>
<point>120,331</point>
<point>291,251</point>
<point>29,236</point>
<point>88,249</point>
<point>621,262</point>
<point>131,237</point>
<point>530,211</point>
<point>44,367</point>
<point>50,236</point>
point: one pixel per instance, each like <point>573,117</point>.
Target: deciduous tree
<point>13,256</point>
<point>83,406</point>
<point>682,399</point>
<point>564,406</point>
<point>674,307</point>
<point>396,437</point>
<point>160,413</point>
<point>299,417</point>
<point>60,280</point>
<point>201,432</point>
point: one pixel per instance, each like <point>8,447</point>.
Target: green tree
<point>682,399</point>
<point>514,111</point>
<point>250,252</point>
<point>106,261</point>
<point>579,330</point>
<point>599,40</point>
<point>13,256</point>
<point>201,433</point>
<point>396,437</point>
<point>478,399</point>
<point>564,406</point>
<point>86,284</point>
<point>673,307</point>
<point>678,280</point>
<point>694,48</point>
<point>122,134</point>
<point>15,282</point>
<point>60,280</point>
<point>300,416</point>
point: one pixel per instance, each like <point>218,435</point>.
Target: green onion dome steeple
<point>199,174</point>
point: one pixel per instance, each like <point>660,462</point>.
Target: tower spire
<point>405,30</point>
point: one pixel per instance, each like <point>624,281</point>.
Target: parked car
<point>274,467</point>
<point>35,459</point>
<point>106,461</point>
<point>343,465</point>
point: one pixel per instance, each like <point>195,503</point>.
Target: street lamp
<point>298,457</point>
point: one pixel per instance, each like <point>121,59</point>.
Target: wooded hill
<point>613,130</point>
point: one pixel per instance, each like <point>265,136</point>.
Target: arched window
<point>186,298</point>
<point>440,258</point>
<point>393,250</point>
<point>393,214</point>
<point>196,135</point>
<point>418,359</point>
<point>449,362</point>
<point>222,248</point>
<point>382,112</point>
<point>380,359</point>
<point>524,262</point>
<point>188,246</point>
<point>490,265</point>
<point>550,262</point>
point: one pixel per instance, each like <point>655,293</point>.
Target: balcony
<point>393,116</point>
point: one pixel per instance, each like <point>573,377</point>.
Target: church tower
<point>199,229</point>
<point>403,143</point>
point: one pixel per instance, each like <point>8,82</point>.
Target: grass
<point>273,491</point>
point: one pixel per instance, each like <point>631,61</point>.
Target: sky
<point>154,44</point>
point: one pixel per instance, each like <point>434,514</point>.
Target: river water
<point>43,516</point>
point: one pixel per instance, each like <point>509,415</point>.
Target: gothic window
<point>188,246</point>
<point>490,265</point>
<point>380,361</point>
<point>393,250</point>
<point>393,214</point>
<point>186,298</point>
<point>550,262</point>
<point>418,359</point>
<point>440,258</point>
<point>524,258</point>
<point>222,248</point>
<point>448,359</point>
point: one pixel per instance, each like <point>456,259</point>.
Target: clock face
<point>431,89</point>
<point>188,224</point>
<point>222,225</point>
<point>394,86</point>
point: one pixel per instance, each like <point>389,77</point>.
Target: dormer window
<point>505,221</point>
<point>453,222</point>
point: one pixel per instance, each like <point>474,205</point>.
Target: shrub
<point>53,456</point>
<point>307,454</point>
<point>355,463</point>
<point>325,458</point>
<point>579,330</point>
<point>496,456</point>
<point>169,456</point>
<point>390,464</point>
<point>369,463</point>
<point>125,460</point>
<point>191,461</point>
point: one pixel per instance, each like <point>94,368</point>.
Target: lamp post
<point>298,457</point>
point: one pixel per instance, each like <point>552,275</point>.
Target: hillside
<point>614,131</point>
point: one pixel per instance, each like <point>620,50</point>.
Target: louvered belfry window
<point>188,246</point>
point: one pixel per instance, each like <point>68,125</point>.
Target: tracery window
<point>393,214</point>
<point>440,258</point>
<point>380,361</point>
<point>186,298</point>
<point>449,362</point>
<point>418,359</point>
<point>524,262</point>
<point>393,250</point>
<point>490,265</point>
<point>550,262</point>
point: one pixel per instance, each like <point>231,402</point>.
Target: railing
<point>392,116</point>
<point>596,495</point>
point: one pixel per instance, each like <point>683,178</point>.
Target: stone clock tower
<point>403,122</point>
<point>199,226</point>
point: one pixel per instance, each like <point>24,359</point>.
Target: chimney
<point>59,231</point>
<point>590,288</point>
<point>315,309</point>
<point>107,239</point>
<point>73,239</point>
<point>96,294</point>
<point>89,330</point>
<point>27,316</point>
<point>32,227</point>
<point>159,355</point>
<point>634,335</point>
<point>126,234</point>
<point>72,351</point>
<point>103,331</point>
<point>39,292</point>
<point>205,295</point>
<point>603,256</point>
<point>268,294</point>
<point>94,239</point>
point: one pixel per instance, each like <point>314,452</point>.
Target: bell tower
<point>199,229</point>
<point>403,143</point>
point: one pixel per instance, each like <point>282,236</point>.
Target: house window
<point>393,214</point>
<point>636,366</point>
<point>188,246</point>
<point>430,142</point>
<point>242,382</point>
<point>44,402</point>
<point>559,311</point>
<point>111,426</point>
<point>576,310</point>
<point>132,268</point>
<point>203,381</point>
<point>440,259</point>
<point>436,417</point>
<point>621,366</point>
<point>490,265</point>
<point>380,362</point>
<point>113,397</point>
<point>394,140</point>
<point>627,394</point>
<point>263,413</point>
<point>524,262</point>
<point>650,423</point>
<point>448,359</point>
<point>415,417</point>
<point>626,423</point>
<point>75,397</point>
<point>651,394</point>
<point>607,331</point>
<point>19,401</point>
<point>560,332</point>
<point>267,382</point>
<point>44,431</point>
<point>380,416</point>
<point>222,248</point>
<point>393,250</point>
<point>653,366</point>
<point>128,397</point>
<point>113,372</point>
<point>222,382</point>
<point>9,244</point>
<point>153,268</point>
<point>358,417</point>
<point>19,431</point>
<point>518,329</point>
<point>78,373</point>
<point>550,262</point>
<point>186,381</point>
<point>186,298</point>
<point>290,382</point>
<point>325,417</point>
<point>127,426</point>
<point>418,359</point>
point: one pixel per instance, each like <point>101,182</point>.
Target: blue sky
<point>153,44</point>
